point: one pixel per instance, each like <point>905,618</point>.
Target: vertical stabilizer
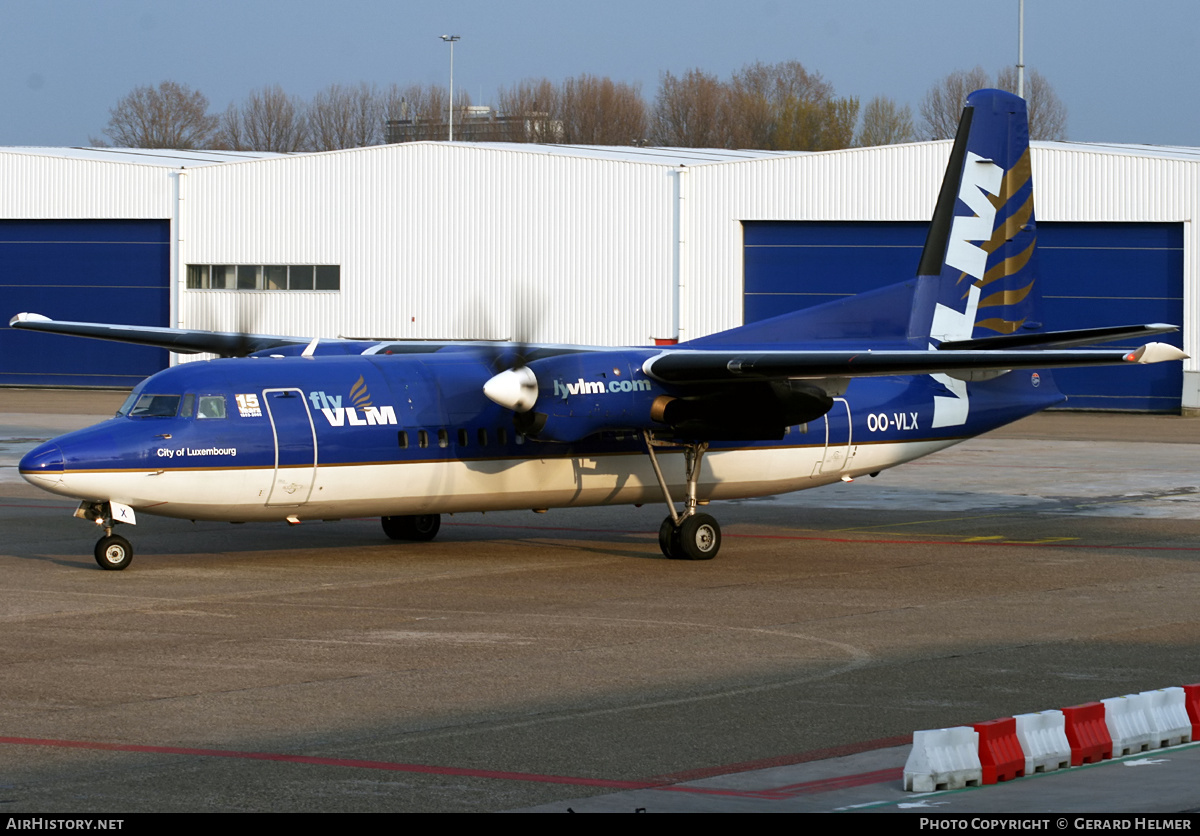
<point>977,275</point>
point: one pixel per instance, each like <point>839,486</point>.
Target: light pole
<point>1021,49</point>
<point>450,39</point>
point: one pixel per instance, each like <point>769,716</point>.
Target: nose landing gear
<point>113,552</point>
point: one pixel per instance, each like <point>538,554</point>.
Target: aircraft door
<point>295,447</point>
<point>837,438</point>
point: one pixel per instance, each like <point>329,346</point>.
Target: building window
<point>264,277</point>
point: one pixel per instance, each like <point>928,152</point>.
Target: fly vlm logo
<point>360,402</point>
<point>598,387</point>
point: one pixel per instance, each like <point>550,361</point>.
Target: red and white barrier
<point>1043,739</point>
<point>943,759</point>
<point>1013,747</point>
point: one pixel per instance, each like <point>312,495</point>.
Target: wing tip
<point>1155,353</point>
<point>27,316</point>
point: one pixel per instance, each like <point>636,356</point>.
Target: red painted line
<point>785,760</point>
<point>992,543</point>
<point>872,541</point>
<point>345,762</point>
<point>660,782</point>
<point>63,507</point>
<point>842,782</point>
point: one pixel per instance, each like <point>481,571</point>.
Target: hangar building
<point>605,246</point>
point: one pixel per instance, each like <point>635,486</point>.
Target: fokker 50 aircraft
<point>324,429</point>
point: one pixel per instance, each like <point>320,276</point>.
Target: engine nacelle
<point>586,393</point>
<point>569,397</point>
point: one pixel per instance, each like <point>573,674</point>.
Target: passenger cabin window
<point>211,406</point>
<point>402,439</point>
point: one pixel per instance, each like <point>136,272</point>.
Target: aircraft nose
<point>43,465</point>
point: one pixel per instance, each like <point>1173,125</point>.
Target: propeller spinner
<point>515,389</point>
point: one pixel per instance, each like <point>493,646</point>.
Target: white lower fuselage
<point>460,485</point>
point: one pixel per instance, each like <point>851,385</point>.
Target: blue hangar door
<point>82,270</point>
<point>1092,274</point>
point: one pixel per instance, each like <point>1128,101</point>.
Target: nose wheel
<point>113,552</point>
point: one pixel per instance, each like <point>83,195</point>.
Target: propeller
<point>514,386</point>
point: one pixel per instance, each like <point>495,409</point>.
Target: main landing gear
<point>420,528</point>
<point>689,535</point>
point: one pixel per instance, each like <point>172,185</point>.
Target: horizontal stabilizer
<point>1062,339</point>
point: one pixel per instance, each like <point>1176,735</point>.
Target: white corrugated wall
<point>440,241</point>
<point>40,187</point>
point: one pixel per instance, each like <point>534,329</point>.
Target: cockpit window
<point>211,406</point>
<point>155,406</point>
<point>129,402</point>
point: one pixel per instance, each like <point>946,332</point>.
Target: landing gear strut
<point>688,535</point>
<point>420,528</point>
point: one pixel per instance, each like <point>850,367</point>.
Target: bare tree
<point>885,123</point>
<point>530,112</point>
<point>785,107</point>
<point>269,120</point>
<point>1047,113</point>
<point>943,104</point>
<point>419,112</point>
<point>599,111</point>
<point>690,112</point>
<point>168,116</point>
<point>345,117</point>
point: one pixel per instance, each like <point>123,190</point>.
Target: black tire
<point>420,528</point>
<point>113,552</point>
<point>699,538</point>
<point>668,539</point>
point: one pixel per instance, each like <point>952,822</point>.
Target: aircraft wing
<point>687,366</point>
<point>183,341</point>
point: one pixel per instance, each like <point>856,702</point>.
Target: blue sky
<point>1127,73</point>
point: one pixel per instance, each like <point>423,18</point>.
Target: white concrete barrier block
<point>1043,739</point>
<point>1167,712</point>
<point>1128,724</point>
<point>943,759</point>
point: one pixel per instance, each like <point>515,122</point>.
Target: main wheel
<point>113,552</point>
<point>668,538</point>
<point>699,538</point>
<point>420,527</point>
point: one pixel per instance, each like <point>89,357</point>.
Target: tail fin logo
<point>980,178</point>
